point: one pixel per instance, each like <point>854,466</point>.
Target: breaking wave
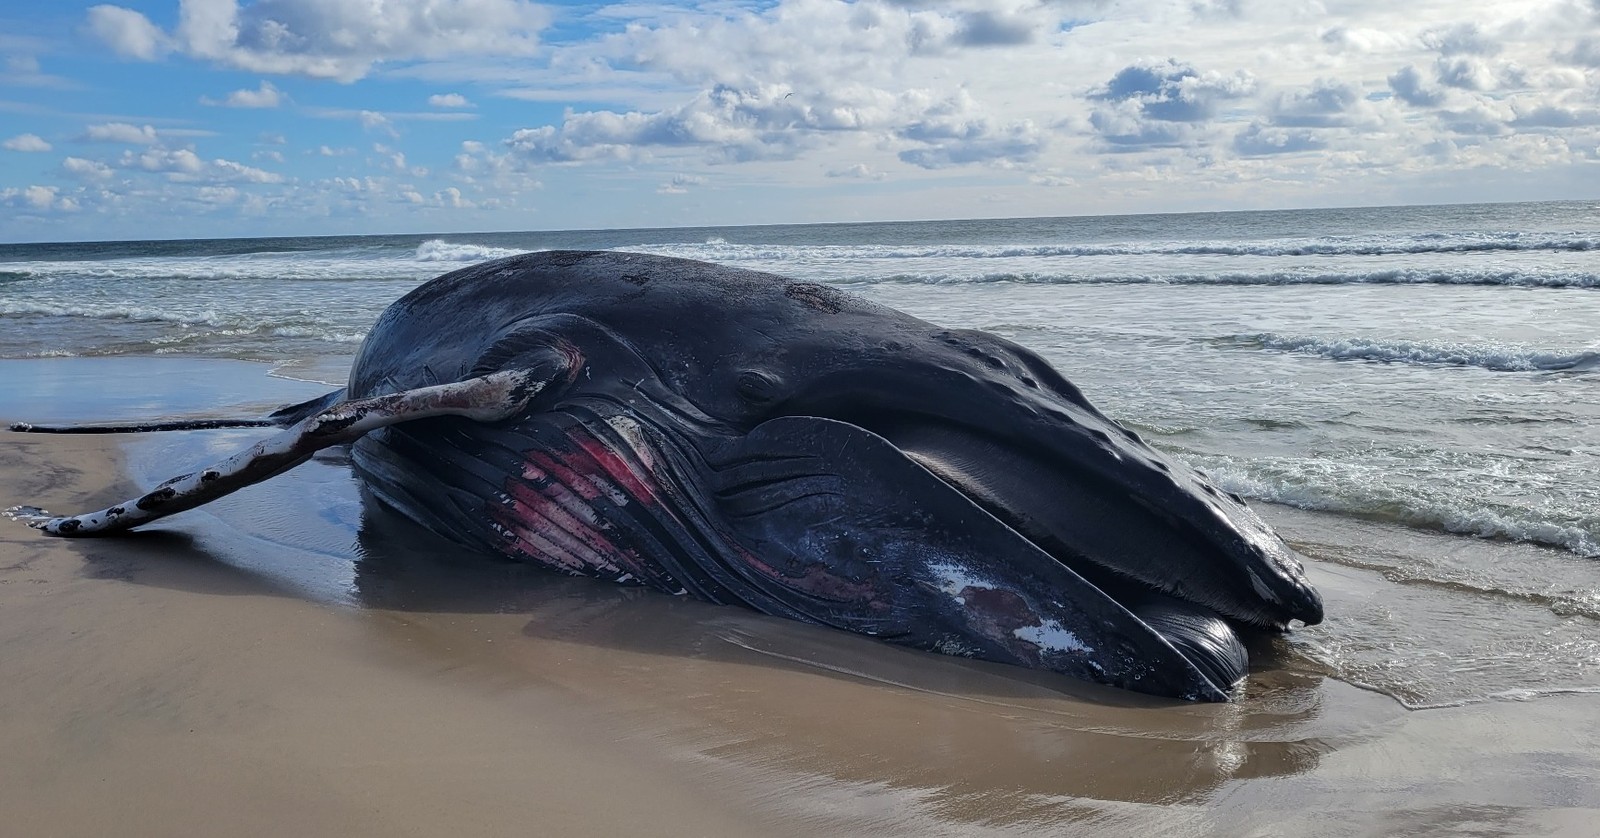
<point>1356,489</point>
<point>1393,245</point>
<point>1397,276</point>
<point>439,250</point>
<point>1514,358</point>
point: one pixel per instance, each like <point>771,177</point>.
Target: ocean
<point>1381,377</point>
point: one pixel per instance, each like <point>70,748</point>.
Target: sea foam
<point>1509,358</point>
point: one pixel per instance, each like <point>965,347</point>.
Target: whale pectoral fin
<point>293,413</point>
<point>489,398</point>
<point>836,526</point>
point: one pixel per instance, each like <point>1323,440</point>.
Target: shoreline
<point>298,662</point>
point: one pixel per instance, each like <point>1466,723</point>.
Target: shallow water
<point>1415,393</point>
<point>1432,366</point>
<point>829,732</point>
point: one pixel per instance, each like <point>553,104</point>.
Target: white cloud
<point>1136,104</point>
<point>1326,104</point>
<point>38,199</point>
<point>1408,84</point>
<point>26,142</point>
<point>1160,104</point>
<point>22,69</point>
<point>374,121</point>
<point>88,170</point>
<point>859,171</point>
<point>451,197</point>
<point>265,96</point>
<point>180,161</point>
<point>128,33</point>
<point>121,132</point>
<point>679,184</point>
<point>330,39</point>
<point>184,165</point>
<point>1461,39</point>
<point>1261,138</point>
<point>230,171</point>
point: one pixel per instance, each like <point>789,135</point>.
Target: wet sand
<point>296,661</point>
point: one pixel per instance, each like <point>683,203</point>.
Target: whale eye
<point>757,387</point>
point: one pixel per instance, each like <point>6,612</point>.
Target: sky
<point>222,118</point>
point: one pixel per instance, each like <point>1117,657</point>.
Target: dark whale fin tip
<point>327,422</point>
<point>140,427</point>
<point>283,417</point>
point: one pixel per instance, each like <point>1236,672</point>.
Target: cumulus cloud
<point>994,28</point>
<point>128,33</point>
<point>1409,87</point>
<point>329,39</point>
<point>727,123</point>
<point>982,142</point>
<point>776,122</point>
<point>1260,139</point>
<point>451,197</point>
<point>82,169</point>
<point>1461,39</point>
<point>26,142</point>
<point>500,173</point>
<point>953,133</point>
<point>1326,104</point>
<point>120,132</point>
<point>679,184</point>
<point>1465,72</point>
<point>184,165</point>
<point>264,96</point>
<point>1557,115</point>
<point>859,171</point>
<point>1153,105</point>
<point>1057,90</point>
<point>38,199</point>
<point>1584,53</point>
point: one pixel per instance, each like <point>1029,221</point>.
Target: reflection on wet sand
<point>750,688</point>
<point>307,644</point>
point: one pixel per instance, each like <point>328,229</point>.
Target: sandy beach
<point>296,661</point>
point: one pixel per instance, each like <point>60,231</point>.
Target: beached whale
<point>747,439</point>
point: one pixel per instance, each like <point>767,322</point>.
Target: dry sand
<point>337,672</point>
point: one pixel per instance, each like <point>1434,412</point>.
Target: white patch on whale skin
<point>1052,636</point>
<point>628,428</point>
<point>953,579</point>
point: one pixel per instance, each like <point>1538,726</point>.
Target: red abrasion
<point>618,468</point>
<point>544,512</point>
<point>551,512</point>
<point>817,581</point>
<point>557,470</point>
<point>522,525</point>
<point>998,614</point>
